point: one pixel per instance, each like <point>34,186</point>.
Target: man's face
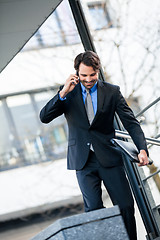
<point>87,75</point>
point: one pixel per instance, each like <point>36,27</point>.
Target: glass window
<point>99,16</point>
<point>59,29</point>
<point>51,32</point>
<point>23,115</point>
<point>59,135</point>
<point>68,26</point>
<point>43,97</point>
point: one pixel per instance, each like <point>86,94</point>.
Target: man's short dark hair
<point>88,58</point>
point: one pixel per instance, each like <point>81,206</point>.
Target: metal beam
<point>83,29</point>
<point>32,91</point>
<point>19,20</point>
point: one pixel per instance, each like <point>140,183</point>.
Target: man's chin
<point>89,86</point>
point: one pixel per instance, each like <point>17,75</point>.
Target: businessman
<point>89,106</point>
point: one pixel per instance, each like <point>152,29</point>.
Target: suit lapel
<point>100,96</point>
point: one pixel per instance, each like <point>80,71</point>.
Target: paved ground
<point>29,227</point>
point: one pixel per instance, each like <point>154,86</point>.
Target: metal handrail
<point>149,106</point>
<point>126,135</point>
<point>153,174</point>
<point>157,136</point>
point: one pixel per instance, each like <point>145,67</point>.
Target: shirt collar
<point>93,89</point>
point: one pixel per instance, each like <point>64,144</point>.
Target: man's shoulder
<point>108,86</point>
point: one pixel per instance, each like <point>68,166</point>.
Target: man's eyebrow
<point>83,74</point>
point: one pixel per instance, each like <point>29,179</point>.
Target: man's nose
<point>88,79</point>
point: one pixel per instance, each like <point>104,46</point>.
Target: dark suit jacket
<point>99,133</point>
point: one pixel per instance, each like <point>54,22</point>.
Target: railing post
<point>141,199</point>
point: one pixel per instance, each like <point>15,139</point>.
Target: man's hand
<point>69,85</point>
<point>143,159</point>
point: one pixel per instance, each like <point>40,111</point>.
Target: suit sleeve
<point>130,122</point>
<point>53,109</point>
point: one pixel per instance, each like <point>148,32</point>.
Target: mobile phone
<point>77,74</point>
